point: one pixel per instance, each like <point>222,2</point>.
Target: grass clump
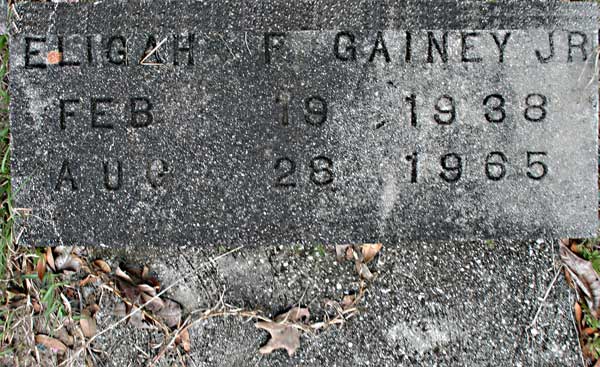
<point>6,207</point>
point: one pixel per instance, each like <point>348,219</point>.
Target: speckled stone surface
<point>323,121</point>
<point>451,304</point>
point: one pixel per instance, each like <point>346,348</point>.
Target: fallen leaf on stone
<point>54,331</point>
<point>370,250</point>
<point>102,265</point>
<point>141,274</point>
<point>139,286</point>
<point>147,289</point>
<point>137,320</point>
<point>569,279</point>
<point>576,249</point>
<point>184,339</point>
<point>584,275</point>
<point>350,253</point>
<point>155,304</point>
<point>348,301</point>
<point>128,291</point>
<point>363,271</point>
<point>121,274</point>
<point>340,252</point>
<point>170,313</point>
<point>53,344</point>
<point>283,336</point>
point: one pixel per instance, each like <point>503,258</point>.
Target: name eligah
<point>388,47</point>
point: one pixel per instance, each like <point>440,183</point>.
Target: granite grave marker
<point>313,121</point>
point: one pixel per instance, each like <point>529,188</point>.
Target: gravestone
<point>321,121</point>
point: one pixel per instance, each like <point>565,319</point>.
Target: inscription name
<point>189,49</point>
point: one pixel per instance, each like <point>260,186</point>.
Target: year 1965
<point>321,170</point>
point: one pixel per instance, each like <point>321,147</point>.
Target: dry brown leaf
<point>589,331</point>
<point>63,335</point>
<point>128,291</point>
<point>155,304</point>
<point>145,272</point>
<point>41,268</point>
<point>141,274</point>
<point>87,280</point>
<point>170,313</point>
<point>68,261</point>
<point>88,326</point>
<point>102,265</point>
<point>147,289</point>
<point>60,250</point>
<point>348,301</point>
<point>585,276</point>
<point>586,351</point>
<point>369,251</point>
<point>350,253</point>
<point>121,274</point>
<point>363,271</point>
<point>137,320</point>
<point>185,341</point>
<point>37,308</point>
<point>340,252</point>
<point>53,344</point>
<point>569,279</point>
<point>50,258</point>
<point>87,323</point>
<point>578,314</point>
<point>282,337</point>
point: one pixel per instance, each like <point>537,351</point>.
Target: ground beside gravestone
<point>453,303</point>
